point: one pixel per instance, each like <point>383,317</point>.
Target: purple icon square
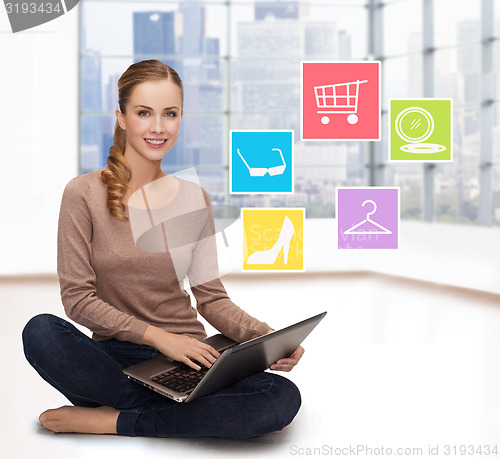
<point>368,218</point>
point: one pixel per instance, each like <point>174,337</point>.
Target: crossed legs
<point>89,374</point>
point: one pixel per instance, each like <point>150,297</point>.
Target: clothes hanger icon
<point>261,171</point>
<point>353,229</point>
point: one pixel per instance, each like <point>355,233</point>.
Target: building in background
<point>240,64</point>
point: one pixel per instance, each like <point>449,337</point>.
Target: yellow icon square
<point>273,239</point>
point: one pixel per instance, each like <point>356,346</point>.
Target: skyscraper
<point>266,90</point>
<point>91,128</point>
<point>193,27</point>
<point>282,10</point>
<point>154,34</point>
<point>469,69</point>
<point>154,38</point>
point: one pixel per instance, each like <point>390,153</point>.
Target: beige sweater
<point>116,290</point>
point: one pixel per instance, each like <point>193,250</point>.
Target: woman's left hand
<point>288,363</point>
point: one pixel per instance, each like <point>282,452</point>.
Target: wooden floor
<point>395,364</point>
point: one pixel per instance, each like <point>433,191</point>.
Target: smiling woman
<point>134,301</point>
<point>150,130</point>
<point>151,99</point>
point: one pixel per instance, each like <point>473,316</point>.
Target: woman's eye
<point>142,113</point>
<point>171,114</point>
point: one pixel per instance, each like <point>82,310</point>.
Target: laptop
<point>236,362</point>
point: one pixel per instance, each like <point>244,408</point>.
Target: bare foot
<point>100,420</point>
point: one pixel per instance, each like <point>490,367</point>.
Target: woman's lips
<point>155,143</point>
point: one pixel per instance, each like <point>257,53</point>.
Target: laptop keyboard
<point>180,379</point>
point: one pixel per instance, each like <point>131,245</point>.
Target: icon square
<point>261,161</point>
<point>340,100</point>
<point>420,130</point>
<point>368,217</point>
<point>273,239</point>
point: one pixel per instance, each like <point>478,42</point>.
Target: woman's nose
<point>157,124</point>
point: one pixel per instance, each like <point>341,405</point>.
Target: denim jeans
<point>89,373</point>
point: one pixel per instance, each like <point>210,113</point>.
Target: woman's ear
<point>121,119</point>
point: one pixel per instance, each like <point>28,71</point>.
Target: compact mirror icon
<point>415,125</point>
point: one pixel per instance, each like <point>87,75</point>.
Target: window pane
<point>91,95</point>
<point>496,133</point>
<point>456,22</point>
<point>96,138</point>
<point>466,135</point>
<point>410,180</point>
<point>402,78</point>
<point>403,27</point>
<point>258,121</point>
<point>383,150</point>
<point>260,85</point>
<point>203,81</point>
<point>153,28</point>
<point>458,74</point>
<point>496,66</point>
<point>496,196</point>
<point>350,155</point>
<point>310,32</point>
<point>496,8</point>
<point>457,194</point>
<point>99,78</point>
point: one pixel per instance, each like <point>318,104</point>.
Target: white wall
<point>38,138</point>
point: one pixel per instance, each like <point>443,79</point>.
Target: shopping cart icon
<point>342,98</point>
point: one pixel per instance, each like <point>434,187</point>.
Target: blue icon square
<point>261,162</point>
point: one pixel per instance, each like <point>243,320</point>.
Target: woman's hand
<point>180,347</point>
<point>287,364</point>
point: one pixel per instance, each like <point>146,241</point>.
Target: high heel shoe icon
<point>269,256</point>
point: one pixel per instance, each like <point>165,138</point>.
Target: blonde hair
<point>118,173</point>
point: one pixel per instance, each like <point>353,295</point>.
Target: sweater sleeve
<point>77,277</point>
<point>213,302</point>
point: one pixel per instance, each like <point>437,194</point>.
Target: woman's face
<point>152,119</point>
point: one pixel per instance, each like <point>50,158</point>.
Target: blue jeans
<point>89,373</point>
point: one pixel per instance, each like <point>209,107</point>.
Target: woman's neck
<point>154,193</point>
<point>141,178</point>
<point>143,172</point>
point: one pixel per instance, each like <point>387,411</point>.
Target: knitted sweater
<point>116,290</point>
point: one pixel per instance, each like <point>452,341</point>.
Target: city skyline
<point>157,32</point>
<point>264,93</point>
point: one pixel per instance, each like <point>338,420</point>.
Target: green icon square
<point>420,130</point>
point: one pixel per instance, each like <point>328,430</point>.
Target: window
<point>445,49</point>
<point>240,63</point>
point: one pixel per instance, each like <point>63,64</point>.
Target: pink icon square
<point>340,100</point>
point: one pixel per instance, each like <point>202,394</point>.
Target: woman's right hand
<point>180,347</point>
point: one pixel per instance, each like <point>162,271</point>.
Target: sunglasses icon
<point>261,171</point>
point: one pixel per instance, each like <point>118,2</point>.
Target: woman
<point>132,300</point>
